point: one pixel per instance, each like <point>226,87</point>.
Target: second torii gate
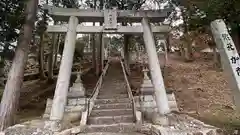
<point>110,19</point>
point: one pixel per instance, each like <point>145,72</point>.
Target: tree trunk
<point>101,45</point>
<point>13,86</point>
<point>98,51</point>
<point>2,64</point>
<point>41,50</point>
<point>168,44</point>
<point>126,53</point>
<point>41,58</point>
<point>138,52</point>
<point>182,52</point>
<point>93,51</point>
<point>57,50</point>
<point>187,57</point>
<point>126,50</point>
<point>94,59</point>
<point>188,49</point>
<point>50,58</point>
<point>50,64</point>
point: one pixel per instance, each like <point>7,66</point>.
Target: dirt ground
<point>202,91</point>
<point>34,95</point>
<point>33,99</point>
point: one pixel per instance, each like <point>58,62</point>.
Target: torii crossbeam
<point>90,15</point>
<point>116,16</point>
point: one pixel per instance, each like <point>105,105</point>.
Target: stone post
<point>61,91</point>
<point>77,90</point>
<point>229,57</point>
<point>155,70</point>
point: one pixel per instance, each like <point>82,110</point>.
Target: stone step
<point>172,104</point>
<point>110,119</point>
<point>113,106</point>
<point>117,128</point>
<point>76,101</point>
<point>171,97</point>
<point>112,100</point>
<point>107,96</point>
<point>70,102</point>
<point>67,115</point>
<point>68,109</point>
<point>111,112</point>
<point>76,94</point>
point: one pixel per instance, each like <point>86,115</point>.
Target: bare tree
<point>13,86</point>
<point>51,58</point>
<point>57,50</point>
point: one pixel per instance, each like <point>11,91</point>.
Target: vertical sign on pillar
<point>229,57</point>
<point>110,19</point>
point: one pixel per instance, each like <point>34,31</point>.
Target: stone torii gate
<point>110,19</point>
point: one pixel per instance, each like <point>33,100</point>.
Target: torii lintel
<point>91,15</point>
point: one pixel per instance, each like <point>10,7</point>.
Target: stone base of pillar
<point>160,119</point>
<point>77,90</point>
<point>147,86</point>
<point>54,126</point>
<point>73,109</point>
<point>76,104</point>
<point>148,106</point>
<point>57,126</point>
<point>147,103</point>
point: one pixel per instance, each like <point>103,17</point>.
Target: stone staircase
<point>112,115</point>
<point>113,110</point>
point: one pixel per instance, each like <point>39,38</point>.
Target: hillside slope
<point>202,92</point>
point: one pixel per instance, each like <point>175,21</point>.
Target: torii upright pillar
<point>61,91</point>
<point>155,70</point>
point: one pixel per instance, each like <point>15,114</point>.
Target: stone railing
<point>136,114</point>
<point>93,96</point>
